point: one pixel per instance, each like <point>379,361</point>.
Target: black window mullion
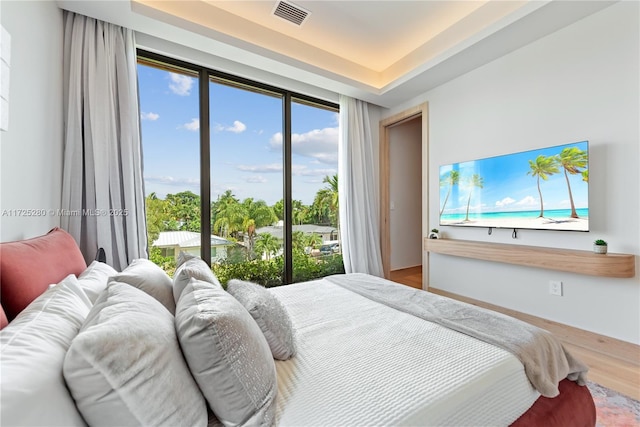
<point>288,203</point>
<point>205,168</point>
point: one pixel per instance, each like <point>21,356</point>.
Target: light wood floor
<point>617,373</point>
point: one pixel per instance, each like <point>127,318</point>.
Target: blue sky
<point>246,140</point>
<point>507,187</point>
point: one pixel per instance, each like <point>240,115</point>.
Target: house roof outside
<point>277,230</point>
<point>186,239</point>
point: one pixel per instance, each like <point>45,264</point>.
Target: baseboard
<point>612,347</point>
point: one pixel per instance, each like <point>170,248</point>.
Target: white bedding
<point>362,363</point>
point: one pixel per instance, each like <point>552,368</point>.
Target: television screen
<point>544,189</point>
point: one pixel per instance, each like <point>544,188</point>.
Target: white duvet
<point>360,363</point>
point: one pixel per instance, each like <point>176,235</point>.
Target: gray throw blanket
<point>546,362</point>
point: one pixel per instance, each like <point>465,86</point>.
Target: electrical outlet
<point>555,287</point>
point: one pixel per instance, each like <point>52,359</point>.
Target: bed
<point>137,347</point>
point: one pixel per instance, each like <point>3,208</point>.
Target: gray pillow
<point>192,267</point>
<point>95,278</point>
<point>125,367</point>
<point>34,345</point>
<point>148,277</point>
<point>227,355</point>
<point>269,313</point>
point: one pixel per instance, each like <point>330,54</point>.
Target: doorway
<point>404,198</point>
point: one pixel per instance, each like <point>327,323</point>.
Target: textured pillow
<point>148,277</point>
<point>269,314</point>
<point>184,257</point>
<point>192,267</point>
<point>125,366</point>
<point>29,266</point>
<point>94,279</point>
<point>227,355</point>
<point>33,347</point>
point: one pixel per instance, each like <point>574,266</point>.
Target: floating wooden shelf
<point>574,261</point>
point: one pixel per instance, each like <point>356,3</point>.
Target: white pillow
<point>94,279</point>
<point>125,366</point>
<point>269,313</point>
<point>227,355</point>
<point>146,276</point>
<point>192,267</point>
<point>33,347</point>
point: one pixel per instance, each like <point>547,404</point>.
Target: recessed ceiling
<point>380,51</point>
<point>373,42</point>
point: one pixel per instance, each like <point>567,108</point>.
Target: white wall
<point>405,194</point>
<point>579,83</point>
<point>31,150</point>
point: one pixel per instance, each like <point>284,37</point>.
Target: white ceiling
<point>384,52</point>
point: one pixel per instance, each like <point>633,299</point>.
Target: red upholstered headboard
<point>28,267</point>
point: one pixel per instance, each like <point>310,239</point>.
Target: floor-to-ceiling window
<point>252,166</point>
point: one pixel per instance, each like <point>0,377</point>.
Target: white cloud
<point>303,170</point>
<point>177,182</point>
<point>271,168</point>
<point>238,127</point>
<point>256,179</point>
<point>149,116</point>
<point>319,144</point>
<point>297,170</point>
<point>180,84</point>
<point>528,201</point>
<point>505,202</point>
<point>193,125</point>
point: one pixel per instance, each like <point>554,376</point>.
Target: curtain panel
<point>358,191</point>
<point>103,187</point>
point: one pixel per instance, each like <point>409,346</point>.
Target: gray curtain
<point>103,188</point>
<point>358,191</point>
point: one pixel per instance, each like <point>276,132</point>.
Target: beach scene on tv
<point>544,189</point>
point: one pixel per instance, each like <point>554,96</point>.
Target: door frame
<point>385,238</point>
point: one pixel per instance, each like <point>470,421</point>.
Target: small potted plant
<point>600,246</point>
<point>435,234</point>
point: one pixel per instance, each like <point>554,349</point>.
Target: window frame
<point>206,75</point>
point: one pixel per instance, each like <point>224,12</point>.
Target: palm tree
<point>229,215</point>
<point>255,214</point>
<point>543,167</point>
<point>452,179</point>
<point>573,160</point>
<point>298,241</point>
<point>475,181</point>
<point>331,198</point>
<point>312,240</point>
<point>267,244</point>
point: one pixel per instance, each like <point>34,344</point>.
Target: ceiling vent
<point>291,12</point>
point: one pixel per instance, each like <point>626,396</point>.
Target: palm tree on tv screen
<point>475,181</point>
<point>573,161</point>
<point>452,179</point>
<point>543,167</point>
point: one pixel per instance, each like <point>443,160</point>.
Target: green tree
<point>475,181</point>
<point>184,208</point>
<point>319,211</point>
<point>267,244</point>
<point>255,214</point>
<point>312,240</point>
<point>278,209</point>
<point>543,167</point>
<point>573,161</point>
<point>325,205</point>
<point>229,215</point>
<point>449,180</point>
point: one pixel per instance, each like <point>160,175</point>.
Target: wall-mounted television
<point>543,189</point>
